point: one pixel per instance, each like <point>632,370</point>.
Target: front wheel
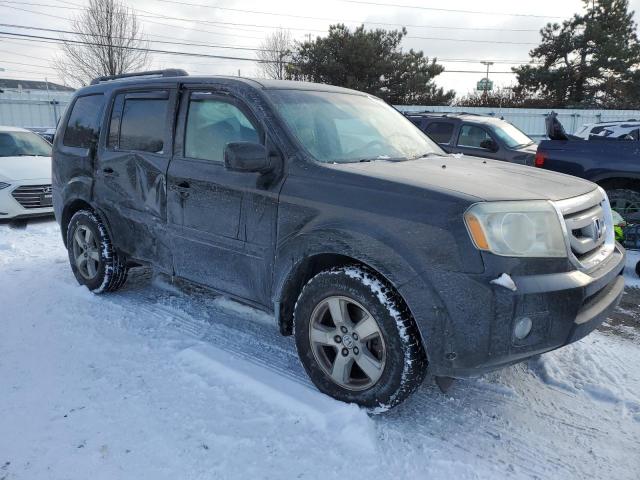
<point>94,261</point>
<point>357,340</point>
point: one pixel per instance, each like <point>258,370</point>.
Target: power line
<point>148,14</point>
<point>500,42</point>
<point>190,20</point>
<point>448,10</point>
<point>191,44</point>
<point>149,21</point>
<point>150,50</point>
<point>370,22</point>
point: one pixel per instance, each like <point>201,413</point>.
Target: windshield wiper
<point>428,154</point>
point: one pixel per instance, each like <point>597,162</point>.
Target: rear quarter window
<point>439,132</point>
<point>84,121</point>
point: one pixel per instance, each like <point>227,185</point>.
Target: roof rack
<point>169,72</point>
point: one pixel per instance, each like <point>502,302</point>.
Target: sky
<point>459,33</point>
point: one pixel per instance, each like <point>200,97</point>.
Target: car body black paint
<point>249,235</point>
<point>595,160</point>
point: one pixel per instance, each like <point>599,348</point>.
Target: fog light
<point>522,328</point>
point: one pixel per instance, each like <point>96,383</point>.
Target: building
<point>32,103</point>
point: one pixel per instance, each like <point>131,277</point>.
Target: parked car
<point>25,174</point>
<point>380,253</point>
<point>45,132</point>
<point>477,135</point>
<point>614,165</point>
<point>620,130</point>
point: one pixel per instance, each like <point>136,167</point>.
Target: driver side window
<point>212,124</point>
<point>471,136</point>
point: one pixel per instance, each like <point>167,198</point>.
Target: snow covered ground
<point>165,382</point>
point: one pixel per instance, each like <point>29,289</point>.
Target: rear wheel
<point>357,340</point>
<point>93,259</point>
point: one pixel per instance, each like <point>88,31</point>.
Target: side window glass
<point>84,121</point>
<point>440,132</point>
<point>211,125</point>
<point>143,124</point>
<point>471,136</point>
<point>114,123</point>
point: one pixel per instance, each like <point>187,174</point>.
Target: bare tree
<point>275,54</point>
<point>108,40</point>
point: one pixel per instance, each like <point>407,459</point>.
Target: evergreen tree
<point>588,60</point>
<point>370,61</point>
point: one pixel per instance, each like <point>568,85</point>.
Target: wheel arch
<point>610,183</point>
<point>314,253</point>
<point>74,206</point>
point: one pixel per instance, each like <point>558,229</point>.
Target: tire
<point>102,269</point>
<point>626,202</point>
<point>390,350</point>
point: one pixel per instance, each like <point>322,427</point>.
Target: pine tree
<point>370,61</point>
<point>588,60</point>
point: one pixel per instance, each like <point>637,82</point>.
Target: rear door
<point>470,139</point>
<point>441,132</point>
<point>223,222</point>
<point>131,172</point>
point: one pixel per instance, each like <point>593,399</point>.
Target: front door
<point>471,141</point>
<point>223,222</point>
<point>131,171</point>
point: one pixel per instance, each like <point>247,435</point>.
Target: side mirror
<point>489,144</point>
<point>247,157</point>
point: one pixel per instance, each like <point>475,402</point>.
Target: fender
<point>377,249</point>
<point>615,175</point>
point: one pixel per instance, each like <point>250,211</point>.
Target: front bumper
<point>472,330</point>
<point>11,209</point>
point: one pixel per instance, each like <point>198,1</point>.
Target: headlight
<point>4,185</point>
<point>516,229</point>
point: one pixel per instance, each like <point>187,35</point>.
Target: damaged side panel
<point>130,173</point>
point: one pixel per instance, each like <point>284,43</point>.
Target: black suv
<point>383,255</point>
<point>477,135</point>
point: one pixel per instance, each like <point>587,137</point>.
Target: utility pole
<point>486,83</point>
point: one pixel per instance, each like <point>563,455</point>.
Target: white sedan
<point>25,174</point>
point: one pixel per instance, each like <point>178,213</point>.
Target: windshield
<point>512,136</point>
<point>342,127</point>
<point>16,144</point>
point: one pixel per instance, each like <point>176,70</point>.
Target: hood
<point>475,177</point>
<point>25,168</point>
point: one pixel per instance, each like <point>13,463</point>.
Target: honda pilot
<point>385,257</point>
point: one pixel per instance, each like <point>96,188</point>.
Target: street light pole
<point>486,83</point>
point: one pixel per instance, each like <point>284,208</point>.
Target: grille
<point>588,228</point>
<point>33,196</point>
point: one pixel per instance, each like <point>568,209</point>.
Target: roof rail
<point>169,72</point>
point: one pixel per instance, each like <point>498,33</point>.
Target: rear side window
<point>211,125</point>
<point>84,121</point>
<point>142,126</point>
<point>440,132</point>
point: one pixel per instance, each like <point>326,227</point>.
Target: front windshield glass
<point>17,144</point>
<point>512,136</point>
<point>342,127</point>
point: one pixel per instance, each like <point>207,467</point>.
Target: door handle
<point>183,190</point>
<point>108,171</point>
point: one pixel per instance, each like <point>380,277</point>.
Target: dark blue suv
<point>477,136</point>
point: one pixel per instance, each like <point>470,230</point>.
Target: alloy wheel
<point>85,252</point>
<point>347,343</point>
